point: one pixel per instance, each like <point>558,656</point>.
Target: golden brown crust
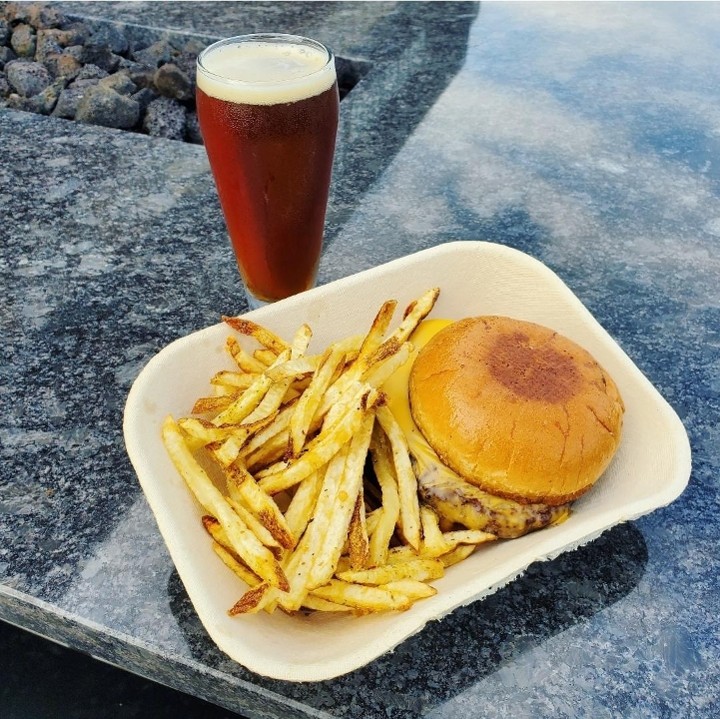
<point>516,408</point>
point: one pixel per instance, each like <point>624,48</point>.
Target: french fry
<point>377,330</point>
<point>411,588</point>
<point>457,555</point>
<point>323,605</point>
<point>319,451</point>
<point>243,407</point>
<point>244,361</point>
<point>254,524</point>
<point>211,405</point>
<point>468,536</point>
<point>265,356</point>
<point>307,405</point>
<point>407,483</point>
<point>293,368</point>
<point>239,568</point>
<point>433,543</point>
<point>372,519</point>
<point>262,334</point>
<point>419,569</point>
<point>253,600</point>
<point>258,557</point>
<point>244,489</point>
<point>414,314</point>
<point>360,596</point>
<point>343,504</point>
<point>385,473</point>
<point>357,536</point>
<point>301,507</point>
<point>233,380</point>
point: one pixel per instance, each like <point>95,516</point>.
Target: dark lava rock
<point>41,104</point>
<point>6,56</point>
<point>76,33</point>
<point>75,51</point>
<point>91,72</point>
<point>112,37</point>
<point>17,12</point>
<point>23,40</point>
<point>4,32</point>
<point>141,75</point>
<point>165,117</point>
<point>62,65</point>
<point>4,87</point>
<point>70,97</point>
<point>46,44</point>
<point>120,82</point>
<point>27,78</point>
<point>103,106</point>
<point>154,55</point>
<point>100,55</point>
<point>45,16</point>
<point>171,81</point>
<point>144,97</point>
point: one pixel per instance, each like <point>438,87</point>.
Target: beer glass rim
<point>271,37</point>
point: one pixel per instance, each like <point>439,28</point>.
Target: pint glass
<point>268,111</point>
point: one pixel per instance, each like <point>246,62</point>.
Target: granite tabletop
<point>586,135</point>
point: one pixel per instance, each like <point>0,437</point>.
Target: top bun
<point>516,408</point>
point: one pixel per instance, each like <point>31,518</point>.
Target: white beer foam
<point>264,73</point>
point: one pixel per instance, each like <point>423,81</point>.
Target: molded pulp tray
<point>650,469</point>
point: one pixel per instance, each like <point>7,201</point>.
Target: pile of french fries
<point>306,477</point>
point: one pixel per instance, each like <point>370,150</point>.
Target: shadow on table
<point>451,655</point>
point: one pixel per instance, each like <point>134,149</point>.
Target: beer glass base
<point>253,302</point>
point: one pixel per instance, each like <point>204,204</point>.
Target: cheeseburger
<point>508,422</point>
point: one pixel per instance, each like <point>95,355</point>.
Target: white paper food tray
<point>650,469</point>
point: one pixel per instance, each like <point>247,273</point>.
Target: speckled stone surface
<point>587,135</point>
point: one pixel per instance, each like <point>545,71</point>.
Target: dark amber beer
<point>268,112</point>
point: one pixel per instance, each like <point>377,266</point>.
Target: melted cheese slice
<point>396,389</point>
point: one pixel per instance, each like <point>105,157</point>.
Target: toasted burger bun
<point>516,408</point>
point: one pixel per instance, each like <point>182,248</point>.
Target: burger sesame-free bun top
<point>516,408</point>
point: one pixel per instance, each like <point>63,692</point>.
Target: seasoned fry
<point>379,326</point>
<point>359,596</point>
<point>343,504</point>
<point>211,405</point>
<point>258,557</point>
<point>262,334</point>
<point>233,380</point>
<point>244,361</point>
<point>434,543</point>
<point>385,473</point>
<point>415,313</point>
<point>253,600</point>
<point>302,505</point>
<point>265,356</point>
<point>242,408</point>
<point>357,537</point>
<point>318,453</point>
<point>407,483</point>
<point>254,525</point>
<point>462,551</point>
<point>239,568</point>
<point>307,405</point>
<point>418,569</point>
<point>412,588</point>
<point>244,489</point>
